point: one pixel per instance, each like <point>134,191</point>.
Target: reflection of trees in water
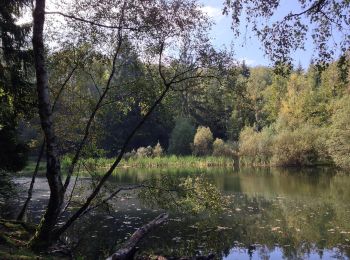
<point>298,225</point>
<point>301,211</point>
<point>257,224</point>
<point>8,196</point>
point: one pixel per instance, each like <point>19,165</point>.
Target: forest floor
<point>14,236</point>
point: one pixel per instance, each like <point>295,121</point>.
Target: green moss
<point>14,237</point>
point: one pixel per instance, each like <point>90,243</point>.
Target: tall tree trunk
<point>45,235</point>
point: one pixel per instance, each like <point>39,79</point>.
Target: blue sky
<point>250,49</point>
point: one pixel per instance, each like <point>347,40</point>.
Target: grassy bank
<point>14,236</point>
<point>158,162</point>
<point>145,163</point>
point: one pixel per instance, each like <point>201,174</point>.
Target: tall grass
<point>160,162</point>
<point>171,161</point>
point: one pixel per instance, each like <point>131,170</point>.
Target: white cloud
<point>213,12</point>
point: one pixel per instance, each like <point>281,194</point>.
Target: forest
<point>114,101</point>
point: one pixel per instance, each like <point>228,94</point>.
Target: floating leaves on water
<point>219,228</point>
<point>275,228</point>
<point>176,239</point>
<point>176,219</point>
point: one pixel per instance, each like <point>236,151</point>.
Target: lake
<point>271,214</point>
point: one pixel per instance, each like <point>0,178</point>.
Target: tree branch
<point>41,153</point>
<point>317,6</point>
<point>119,27</point>
<point>128,250</point>
<point>94,112</point>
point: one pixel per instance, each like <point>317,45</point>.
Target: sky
<point>246,48</point>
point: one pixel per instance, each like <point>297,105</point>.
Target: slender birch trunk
<point>45,235</point>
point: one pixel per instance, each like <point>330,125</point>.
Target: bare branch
<point>119,27</point>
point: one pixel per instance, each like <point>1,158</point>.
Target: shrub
<point>158,150</point>
<point>220,148</point>
<point>129,155</point>
<point>255,147</point>
<point>265,140</point>
<point>298,147</point>
<point>181,137</point>
<point>338,142</point>
<point>248,148</point>
<point>143,152</point>
<point>66,161</point>
<point>203,141</point>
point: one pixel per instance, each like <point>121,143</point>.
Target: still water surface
<point>272,214</point>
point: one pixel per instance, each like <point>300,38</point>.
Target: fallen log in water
<point>128,250</point>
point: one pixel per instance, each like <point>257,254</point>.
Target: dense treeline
<point>304,119</point>
<point>300,118</point>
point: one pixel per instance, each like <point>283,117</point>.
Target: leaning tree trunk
<point>44,235</point>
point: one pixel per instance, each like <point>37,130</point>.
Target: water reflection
<point>272,214</point>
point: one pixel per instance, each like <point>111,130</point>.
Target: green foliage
<point>338,141</point>
<point>302,146</point>
<point>13,154</point>
<point>203,141</point>
<point>256,147</point>
<point>297,147</point>
<point>200,195</point>
<point>187,195</point>
<point>16,91</point>
<point>181,137</point>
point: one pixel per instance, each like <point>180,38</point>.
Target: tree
<point>16,90</point>
<point>181,137</point>
<point>338,142</point>
<point>318,19</point>
<point>258,81</point>
<point>203,141</point>
<point>149,27</point>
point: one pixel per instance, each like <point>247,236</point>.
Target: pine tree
<point>16,92</point>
